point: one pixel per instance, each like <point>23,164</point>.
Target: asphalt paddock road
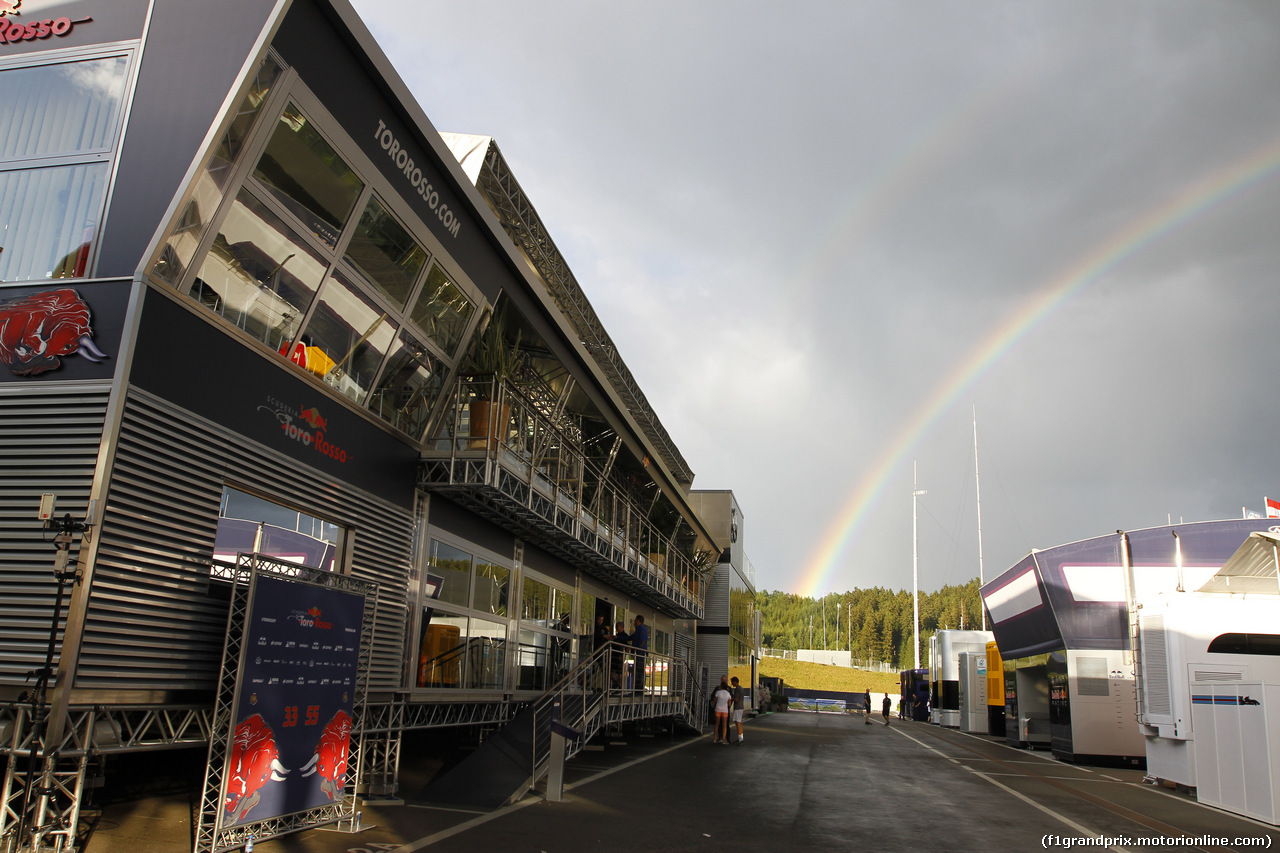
<point>800,781</point>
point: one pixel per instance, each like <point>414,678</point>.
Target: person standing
<point>736,692</point>
<point>618,655</point>
<point>721,699</point>
<point>884,708</point>
<point>640,642</point>
<point>866,705</point>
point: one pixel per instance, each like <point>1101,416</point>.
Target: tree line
<point>875,624</point>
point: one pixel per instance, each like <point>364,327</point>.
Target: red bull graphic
<point>38,331</point>
<point>255,761</point>
<point>301,662</point>
<point>9,7</point>
<point>330,758</point>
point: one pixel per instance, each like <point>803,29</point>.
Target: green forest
<point>874,623</point>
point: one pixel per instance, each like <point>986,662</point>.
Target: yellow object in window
<point>318,362</point>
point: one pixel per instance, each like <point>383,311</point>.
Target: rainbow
<point>1210,190</point>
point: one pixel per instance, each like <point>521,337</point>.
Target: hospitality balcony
<point>510,454</point>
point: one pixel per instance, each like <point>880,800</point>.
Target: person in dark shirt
<point>866,706</point>
<point>618,655</point>
<point>640,642</point>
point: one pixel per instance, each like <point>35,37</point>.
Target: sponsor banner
<point>1273,507</point>
<point>291,740</point>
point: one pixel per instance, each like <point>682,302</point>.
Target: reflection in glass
<point>491,588</point>
<point>249,524</point>
<point>180,246</point>
<point>409,386</point>
<point>52,110</point>
<point>441,649</point>
<point>534,661</point>
<point>259,274</point>
<point>486,655</point>
<point>535,602</point>
<point>454,566</point>
<point>441,311</point>
<point>345,339</point>
<point>304,172</point>
<point>48,220</point>
<point>384,252</point>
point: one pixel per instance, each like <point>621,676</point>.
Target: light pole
<point>915,562</point>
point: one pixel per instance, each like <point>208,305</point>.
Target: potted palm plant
<point>493,361</point>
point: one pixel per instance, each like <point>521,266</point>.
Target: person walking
<point>884,708</point>
<point>737,693</point>
<point>866,706</point>
<point>721,698</point>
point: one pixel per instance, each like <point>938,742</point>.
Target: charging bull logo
<point>9,7</point>
<point>37,331</point>
<point>332,752</point>
<point>255,760</point>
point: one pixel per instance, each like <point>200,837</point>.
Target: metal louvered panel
<point>1156,692</point>
<point>50,433</point>
<point>156,620</point>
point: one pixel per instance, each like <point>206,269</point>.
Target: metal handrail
<point>589,696</point>
<point>516,427</point>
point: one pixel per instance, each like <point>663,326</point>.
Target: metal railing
<point>612,686</point>
<point>497,437</point>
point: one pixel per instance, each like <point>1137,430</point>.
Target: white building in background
<point>728,637</point>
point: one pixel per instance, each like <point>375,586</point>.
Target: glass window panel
<point>535,602</point>
<point>534,663</point>
<point>345,339</point>
<point>486,655</point>
<point>442,647</point>
<point>50,110</point>
<point>561,610</point>
<point>259,274</point>
<point>308,177</point>
<point>453,566</point>
<point>586,615</point>
<point>48,220</point>
<point>184,238</point>
<point>384,252</point>
<point>442,311</point>
<point>492,584</point>
<point>250,524</point>
<point>409,386</point>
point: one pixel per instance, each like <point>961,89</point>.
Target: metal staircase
<point>600,691</point>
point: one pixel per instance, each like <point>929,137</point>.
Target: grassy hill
<point>819,676</point>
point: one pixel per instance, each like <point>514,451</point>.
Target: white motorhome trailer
<point>1222,633</point>
<point>944,670</point>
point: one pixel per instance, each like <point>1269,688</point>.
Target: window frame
<point>288,89</point>
<point>107,154</point>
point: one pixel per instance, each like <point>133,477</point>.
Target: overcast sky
<point>822,233</point>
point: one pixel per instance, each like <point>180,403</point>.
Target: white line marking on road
<point>987,778</point>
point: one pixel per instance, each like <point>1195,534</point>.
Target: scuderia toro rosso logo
<point>14,31</point>
<point>305,426</point>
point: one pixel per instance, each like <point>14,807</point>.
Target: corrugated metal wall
<point>50,433</point>
<point>155,619</point>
